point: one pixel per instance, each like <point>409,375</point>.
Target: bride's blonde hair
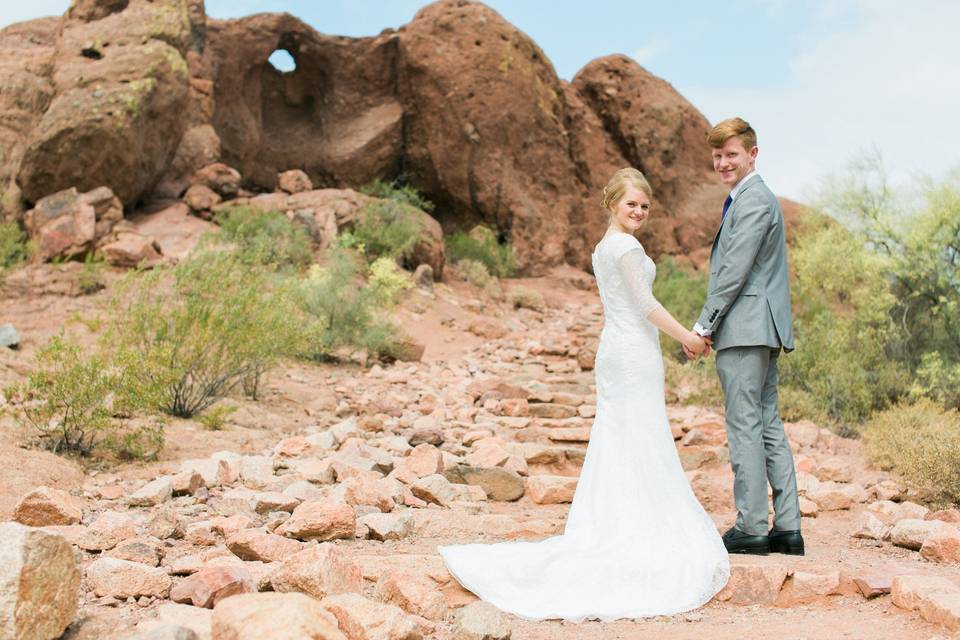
<point>617,186</point>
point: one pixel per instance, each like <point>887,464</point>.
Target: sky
<point>822,81</point>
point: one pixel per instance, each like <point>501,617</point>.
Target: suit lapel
<point>746,185</point>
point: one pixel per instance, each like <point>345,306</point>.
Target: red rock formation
<point>138,95</point>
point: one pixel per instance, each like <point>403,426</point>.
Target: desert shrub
<point>844,326</point>
<point>78,401</point>
<point>266,238</point>
<point>384,228</point>
<point>921,443</point>
<point>404,194</point>
<point>343,309</point>
<point>90,277</point>
<point>215,418</point>
<point>938,380</point>
<point>13,245</point>
<point>209,324</point>
<point>387,281</point>
<point>481,245</point>
<point>525,298</point>
<point>682,292</point>
<point>917,235</point>
<point>476,274</point>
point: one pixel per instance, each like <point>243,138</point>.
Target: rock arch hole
<point>283,61</point>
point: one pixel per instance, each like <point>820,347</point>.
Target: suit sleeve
<point>748,229</point>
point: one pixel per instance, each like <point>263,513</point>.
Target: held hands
<point>696,345</point>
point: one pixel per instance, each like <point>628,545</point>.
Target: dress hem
<point>630,615</point>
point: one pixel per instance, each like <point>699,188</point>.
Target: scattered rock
<point>319,520</point>
<point>318,571</point>
<point>551,489</point>
<point>942,545</point>
<point>152,493</point>
<point>481,621</point>
<point>9,337</point>
<point>208,586</point>
<point>937,598</point>
<point>413,592</point>
<point>912,533</point>
<point>363,619</point>
<point>294,181</point>
<point>44,507</point>
<point>255,616</point>
<point>388,526</point>
<point>257,544</point>
<point>751,584</point>
<point>125,579</point>
<point>498,483</point>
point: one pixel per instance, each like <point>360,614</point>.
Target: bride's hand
<point>694,345</point>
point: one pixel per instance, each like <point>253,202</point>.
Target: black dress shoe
<point>789,542</point>
<point>737,541</point>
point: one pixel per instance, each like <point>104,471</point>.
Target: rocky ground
<point>340,483</point>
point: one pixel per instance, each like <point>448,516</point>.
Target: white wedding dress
<point>637,542</point>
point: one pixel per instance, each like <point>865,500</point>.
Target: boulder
<point>39,583</point>
<point>121,85</point>
<point>551,489</point>
<point>131,249</point>
<point>413,592</point>
<point>67,223</point>
<point>498,483</point>
<point>320,520</point>
<point>294,181</point>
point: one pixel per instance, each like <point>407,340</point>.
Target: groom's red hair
<point>729,128</point>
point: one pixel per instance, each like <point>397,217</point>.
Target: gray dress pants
<point>759,451</point>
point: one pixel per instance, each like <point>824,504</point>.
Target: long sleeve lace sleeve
<point>633,271</point>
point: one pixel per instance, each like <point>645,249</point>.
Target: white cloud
<point>649,51</point>
<point>11,12</point>
<point>891,82</point>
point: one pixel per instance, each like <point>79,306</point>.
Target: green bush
<point>481,245</point>
<point>215,418</point>
<point>403,194</point>
<point>344,310</point>
<point>209,324</point>
<point>77,402</point>
<point>682,292</point>
<point>844,326</point>
<point>13,245</point>
<point>265,238</point>
<point>921,443</point>
<point>387,281</point>
<point>384,228</point>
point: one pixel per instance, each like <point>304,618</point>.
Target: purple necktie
<point>726,205</point>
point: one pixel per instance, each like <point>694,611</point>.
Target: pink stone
<point>44,507</point>
<point>319,520</point>
<point>551,489</point>
<point>318,571</point>
<point>208,586</point>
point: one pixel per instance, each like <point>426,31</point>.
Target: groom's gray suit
<point>748,315</point>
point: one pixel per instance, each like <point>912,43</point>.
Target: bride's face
<point>632,210</point>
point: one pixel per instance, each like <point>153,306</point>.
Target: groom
<point>748,319</point>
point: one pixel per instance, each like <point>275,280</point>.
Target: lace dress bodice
<point>625,275</point>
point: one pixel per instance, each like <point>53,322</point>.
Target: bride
<point>637,542</point>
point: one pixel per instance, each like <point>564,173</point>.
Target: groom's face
<point>733,161</point>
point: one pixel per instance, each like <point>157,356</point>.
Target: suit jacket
<point>748,297</point>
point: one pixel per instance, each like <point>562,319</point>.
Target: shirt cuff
<point>703,332</point>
